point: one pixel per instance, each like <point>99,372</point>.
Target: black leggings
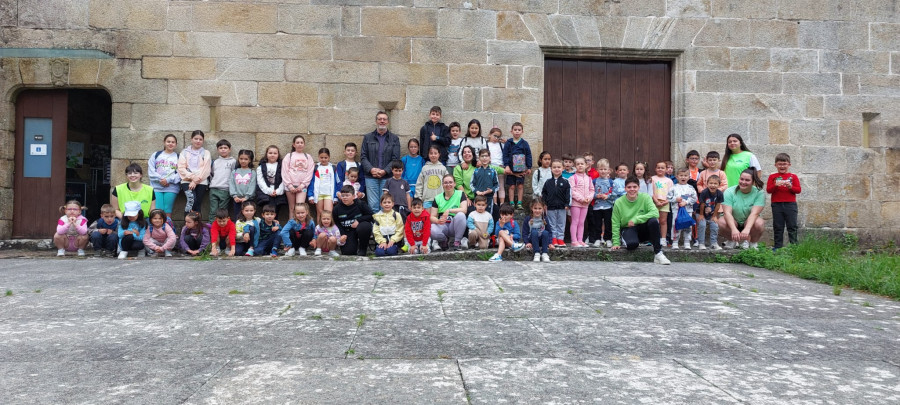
<point>301,239</point>
<point>193,243</point>
<point>130,244</point>
<point>600,218</point>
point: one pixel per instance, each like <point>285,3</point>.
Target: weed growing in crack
<point>378,274</point>
<point>440,294</point>
<point>360,320</point>
<point>287,308</point>
<point>299,273</point>
<point>236,292</point>
<point>9,293</point>
<point>316,317</point>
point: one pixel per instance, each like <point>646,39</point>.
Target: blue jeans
<point>269,245</point>
<point>556,219</point>
<point>241,247</point>
<point>540,240</point>
<point>165,201</point>
<point>713,230</point>
<point>108,242</point>
<point>391,251</point>
<point>374,188</point>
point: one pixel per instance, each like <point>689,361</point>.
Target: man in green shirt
<point>636,219</point>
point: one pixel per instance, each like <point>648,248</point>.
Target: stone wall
<point>790,76</point>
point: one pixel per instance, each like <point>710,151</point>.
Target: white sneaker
<point>318,252</point>
<point>674,246</point>
<point>301,251</point>
<point>290,252</point>
<point>730,244</point>
<point>662,242</point>
<point>702,247</point>
<point>168,253</point>
<point>598,243</point>
<point>80,252</point>
<point>537,257</point>
<point>123,254</point>
<point>745,245</point>
<point>660,258</point>
<point>687,245</point>
<point>60,252</point>
<point>464,244</point>
<point>754,245</point>
<point>496,258</point>
<point>545,257</point>
<point>435,246</point>
<point>518,246</point>
<point>716,246</point>
<point>609,244</point>
<point>334,253</point>
<point>696,243</point>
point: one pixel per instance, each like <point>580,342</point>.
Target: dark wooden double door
<point>619,110</point>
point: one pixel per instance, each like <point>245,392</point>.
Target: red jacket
<point>418,229</point>
<point>783,193</point>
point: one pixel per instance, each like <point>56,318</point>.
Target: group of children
<point>568,192</point>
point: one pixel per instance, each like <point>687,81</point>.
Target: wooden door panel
<point>37,200</point>
<point>620,110</point>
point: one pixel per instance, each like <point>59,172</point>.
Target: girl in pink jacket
<point>194,165</point>
<point>296,172</point>
<point>160,237</point>
<point>582,192</point>
<point>71,230</point>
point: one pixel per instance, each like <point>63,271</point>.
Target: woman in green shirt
<point>743,205</point>
<point>462,173</point>
<point>448,216</point>
<point>737,158</point>
<point>133,190</point>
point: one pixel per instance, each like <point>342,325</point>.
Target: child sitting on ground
<point>299,232</point>
<point>247,230</point>
<point>387,227</point>
<point>269,233</point>
<point>131,230</point>
<point>536,230</point>
<point>480,224</point>
<point>508,233</point>
<point>71,230</point>
<point>194,236</point>
<point>418,227</point>
<point>160,237</point>
<point>104,235</point>
<point>222,234</point>
<point>327,236</point>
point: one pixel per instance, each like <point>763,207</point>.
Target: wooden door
<point>40,187</point>
<point>619,110</point>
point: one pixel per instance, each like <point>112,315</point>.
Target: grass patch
<point>316,317</point>
<point>236,292</point>
<point>198,293</point>
<point>830,260</point>
<point>9,293</point>
<point>485,256</point>
<point>360,320</point>
<point>378,274</point>
<point>299,273</point>
<point>38,291</point>
<point>287,308</point>
<point>440,294</point>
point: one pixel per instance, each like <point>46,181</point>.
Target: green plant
<point>598,311</point>
<point>440,294</point>
<point>204,255</point>
<point>500,288</point>
<point>569,291</point>
<point>378,274</point>
<point>287,308</point>
<point>604,256</point>
<point>749,275</point>
<point>9,293</point>
<point>235,292</point>
<point>866,304</point>
<point>729,304</point>
<point>754,290</point>
<point>316,317</point>
<point>37,291</point>
<point>299,273</point>
<point>360,320</point>
<point>198,293</point>
<point>350,351</point>
<point>485,256</point>
<point>836,289</point>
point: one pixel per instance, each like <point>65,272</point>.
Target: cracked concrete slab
<point>382,331</point>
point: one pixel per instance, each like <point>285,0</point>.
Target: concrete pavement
<point>380,331</point>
